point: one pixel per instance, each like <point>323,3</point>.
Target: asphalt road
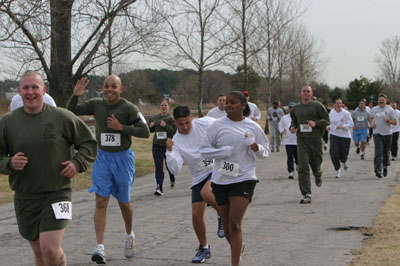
<point>277,229</point>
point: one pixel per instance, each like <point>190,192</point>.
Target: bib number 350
<point>62,210</point>
<point>228,168</point>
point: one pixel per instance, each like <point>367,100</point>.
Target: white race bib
<point>62,210</point>
<point>206,164</point>
<point>161,135</point>
<point>360,118</point>
<point>228,168</point>
<point>275,118</point>
<point>110,139</point>
<point>380,114</point>
<point>305,128</point>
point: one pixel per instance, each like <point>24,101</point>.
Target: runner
<point>395,132</point>
<point>219,110</point>
<point>361,118</point>
<point>340,136</point>
<point>185,147</point>
<point>382,117</point>
<point>35,151</point>
<point>290,140</point>
<point>274,115</point>
<point>310,119</point>
<point>233,142</point>
<point>255,113</point>
<point>117,120</point>
<point>325,137</point>
<point>163,126</point>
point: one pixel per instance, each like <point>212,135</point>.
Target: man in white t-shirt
<point>255,113</point>
<point>290,140</point>
<point>219,110</point>
<point>395,132</point>
<point>16,101</point>
<point>185,147</point>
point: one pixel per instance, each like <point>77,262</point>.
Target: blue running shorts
<point>113,173</point>
<point>360,135</point>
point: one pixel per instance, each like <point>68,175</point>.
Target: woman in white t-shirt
<point>234,142</point>
<point>340,136</point>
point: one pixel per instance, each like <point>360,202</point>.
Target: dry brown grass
<point>383,248</point>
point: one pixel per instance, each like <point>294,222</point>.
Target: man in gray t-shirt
<point>382,117</point>
<point>361,118</point>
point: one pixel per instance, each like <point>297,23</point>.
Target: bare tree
<point>388,60</point>
<point>62,37</point>
<point>195,35</point>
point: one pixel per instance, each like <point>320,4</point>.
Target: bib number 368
<point>228,168</point>
<point>62,210</point>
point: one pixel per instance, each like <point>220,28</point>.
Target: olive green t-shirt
<point>128,115</point>
<point>314,111</point>
<point>162,133</point>
<point>47,138</point>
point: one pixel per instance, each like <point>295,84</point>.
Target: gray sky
<point>351,32</point>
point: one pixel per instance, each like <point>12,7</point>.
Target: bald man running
<point>117,120</point>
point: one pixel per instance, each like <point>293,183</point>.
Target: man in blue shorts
<point>361,118</point>
<point>117,120</point>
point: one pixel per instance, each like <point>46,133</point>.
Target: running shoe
<point>345,166</point>
<point>306,199</point>
<point>385,171</point>
<point>318,181</point>
<point>325,146</point>
<point>393,158</point>
<point>220,230</point>
<point>362,156</point>
<point>291,175</point>
<point>338,173</point>
<point>158,192</point>
<point>358,150</point>
<point>130,247</point>
<point>172,184</point>
<point>202,254</point>
<point>378,174</point>
<point>99,256</point>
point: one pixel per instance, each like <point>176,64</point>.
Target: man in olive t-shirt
<point>35,151</point>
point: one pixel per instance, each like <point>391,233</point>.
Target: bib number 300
<point>62,210</point>
<point>228,168</point>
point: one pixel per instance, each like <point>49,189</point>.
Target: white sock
<point>131,235</point>
<point>205,247</point>
<point>100,246</point>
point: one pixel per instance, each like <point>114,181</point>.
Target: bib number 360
<point>62,210</point>
<point>228,168</point>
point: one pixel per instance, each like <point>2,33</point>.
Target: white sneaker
<point>291,175</point>
<point>338,173</point>
<point>345,166</point>
<point>98,255</point>
<point>130,247</point>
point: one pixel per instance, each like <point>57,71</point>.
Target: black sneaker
<point>358,150</point>
<point>306,199</point>
<point>384,171</point>
<point>318,181</point>
<point>378,174</point>
<point>220,230</point>
<point>362,156</point>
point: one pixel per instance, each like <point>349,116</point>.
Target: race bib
<point>228,168</point>
<point>161,135</point>
<point>206,164</point>
<point>62,210</point>
<point>360,118</point>
<point>110,139</point>
<point>305,128</point>
<point>274,118</point>
<point>380,114</point>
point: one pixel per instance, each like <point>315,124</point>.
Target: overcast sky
<point>351,32</point>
